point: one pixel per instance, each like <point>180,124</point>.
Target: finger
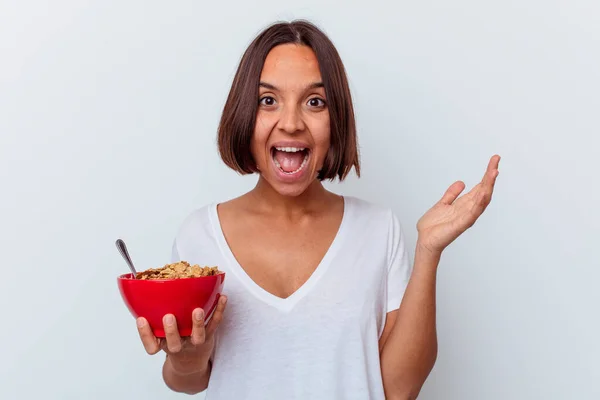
<point>150,342</point>
<point>217,317</point>
<point>481,198</point>
<point>174,343</point>
<point>452,192</point>
<point>489,178</point>
<point>198,331</point>
<point>492,174</point>
<point>482,192</point>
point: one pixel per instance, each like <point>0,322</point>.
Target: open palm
<point>452,215</point>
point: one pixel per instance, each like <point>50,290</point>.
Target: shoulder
<point>379,222</point>
<point>379,230</point>
<point>377,213</point>
<point>197,224</point>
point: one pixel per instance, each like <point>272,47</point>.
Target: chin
<point>288,190</point>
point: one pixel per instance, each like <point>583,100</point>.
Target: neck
<point>314,198</point>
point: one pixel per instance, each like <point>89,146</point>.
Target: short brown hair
<point>239,113</point>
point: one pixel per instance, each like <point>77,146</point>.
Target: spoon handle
<point>125,254</point>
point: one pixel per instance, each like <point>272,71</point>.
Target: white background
<point>108,114</point>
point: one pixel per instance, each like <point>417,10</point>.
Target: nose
<point>290,120</point>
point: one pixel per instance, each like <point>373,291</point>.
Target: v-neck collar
<point>283,304</point>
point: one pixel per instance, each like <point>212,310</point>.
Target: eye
<point>316,102</point>
<point>267,101</point>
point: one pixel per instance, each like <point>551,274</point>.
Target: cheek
<point>322,138</point>
<point>259,139</point>
<point>263,127</point>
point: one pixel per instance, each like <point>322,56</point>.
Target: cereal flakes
<point>178,270</point>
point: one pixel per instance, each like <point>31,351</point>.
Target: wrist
<point>186,369</point>
<point>426,254</point>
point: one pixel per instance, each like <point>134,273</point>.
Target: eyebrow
<point>314,85</point>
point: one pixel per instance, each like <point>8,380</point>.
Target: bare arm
<point>409,343</point>
<point>409,346</point>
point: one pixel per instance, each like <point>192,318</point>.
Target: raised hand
<point>452,215</point>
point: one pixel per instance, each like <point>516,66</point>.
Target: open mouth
<point>290,160</point>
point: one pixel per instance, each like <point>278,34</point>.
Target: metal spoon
<point>125,254</point>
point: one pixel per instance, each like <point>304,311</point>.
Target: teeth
<point>293,172</point>
<point>290,149</point>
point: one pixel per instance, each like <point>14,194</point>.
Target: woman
<point>323,302</point>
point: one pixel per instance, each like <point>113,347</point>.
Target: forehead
<point>291,64</point>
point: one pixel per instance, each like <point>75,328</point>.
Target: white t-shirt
<point>322,341</point>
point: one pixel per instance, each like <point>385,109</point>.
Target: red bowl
<point>152,299</point>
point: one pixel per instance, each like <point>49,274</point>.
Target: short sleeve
<point>399,265</point>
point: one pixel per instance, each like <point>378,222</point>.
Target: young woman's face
<point>292,135</point>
